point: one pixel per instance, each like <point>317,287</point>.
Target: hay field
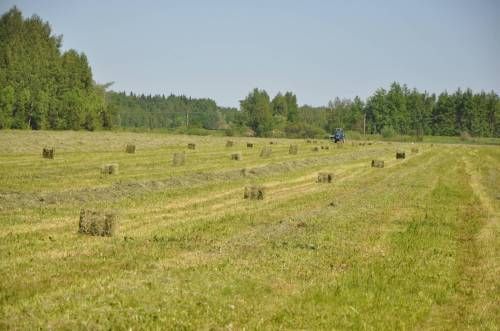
<point>413,245</point>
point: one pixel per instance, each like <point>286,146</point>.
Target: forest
<point>42,87</point>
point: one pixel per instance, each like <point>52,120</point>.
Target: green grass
<point>411,246</point>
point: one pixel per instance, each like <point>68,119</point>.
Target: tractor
<point>338,136</point>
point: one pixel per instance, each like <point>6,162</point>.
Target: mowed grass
<point>411,246</point>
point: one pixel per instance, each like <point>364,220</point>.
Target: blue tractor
<point>338,136</point>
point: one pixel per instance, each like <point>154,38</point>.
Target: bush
<point>465,136</point>
<point>388,132</point>
<point>302,130</point>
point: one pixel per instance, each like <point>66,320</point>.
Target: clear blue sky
<point>317,49</point>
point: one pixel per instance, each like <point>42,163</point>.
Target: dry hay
<point>236,156</point>
<point>249,145</point>
<point>97,223</point>
<point>369,144</point>
<point>309,141</point>
<point>325,147</point>
<point>191,146</point>
<point>48,153</point>
<point>254,192</point>
<point>109,169</point>
<point>400,155</point>
<point>315,141</point>
<point>414,150</point>
<point>130,149</point>
<point>229,143</point>
<point>179,159</point>
<point>377,164</point>
<point>273,143</point>
<point>325,177</point>
<point>293,149</point>
<point>361,144</point>
<point>266,152</point>
<point>315,149</point>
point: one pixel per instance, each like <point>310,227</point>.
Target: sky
<point>319,50</point>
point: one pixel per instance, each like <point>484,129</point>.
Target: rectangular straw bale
<point>249,145</point>
<point>191,146</point>
<point>236,156</point>
<point>266,152</point>
<point>130,149</point>
<point>414,150</point>
<point>400,155</point>
<point>377,164</point>
<point>254,192</point>
<point>325,147</point>
<point>48,152</point>
<point>229,143</point>
<point>179,159</point>
<point>294,149</point>
<point>110,169</point>
<point>315,149</point>
<point>97,223</point>
<point>325,177</point>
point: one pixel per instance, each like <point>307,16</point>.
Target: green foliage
<point>258,111</point>
<point>388,132</point>
<point>42,87</point>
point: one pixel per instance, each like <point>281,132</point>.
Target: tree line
<point>42,87</point>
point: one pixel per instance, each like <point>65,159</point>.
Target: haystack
<point>293,149</point>
<point>130,149</point>
<point>179,159</point>
<point>109,169</point>
<point>266,152</point>
<point>249,145</point>
<point>254,192</point>
<point>48,153</point>
<point>325,177</point>
<point>191,146</point>
<point>400,155</point>
<point>414,150</point>
<point>229,143</point>
<point>97,223</point>
<point>236,156</point>
<point>377,164</point>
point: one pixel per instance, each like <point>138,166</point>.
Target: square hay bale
<point>254,192</point>
<point>229,143</point>
<point>97,223</point>
<point>309,141</point>
<point>236,156</point>
<point>325,147</point>
<point>249,145</point>
<point>315,149</point>
<point>191,146</point>
<point>110,169</point>
<point>266,152</point>
<point>377,164</point>
<point>414,150</point>
<point>130,149</point>
<point>179,159</point>
<point>361,144</point>
<point>325,177</point>
<point>48,153</point>
<point>293,149</point>
<point>400,155</point>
